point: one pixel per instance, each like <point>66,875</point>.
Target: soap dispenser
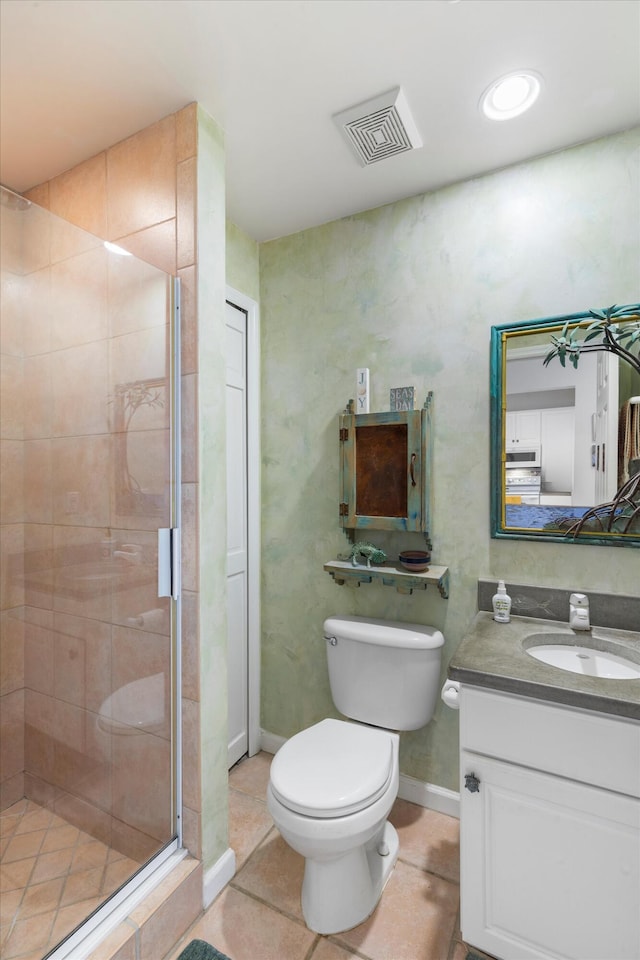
<point>501,604</point>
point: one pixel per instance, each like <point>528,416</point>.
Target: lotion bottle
<point>501,604</point>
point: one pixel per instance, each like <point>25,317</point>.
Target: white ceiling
<point>80,75</point>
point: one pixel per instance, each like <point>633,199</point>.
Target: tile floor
<point>52,875</point>
<point>258,915</point>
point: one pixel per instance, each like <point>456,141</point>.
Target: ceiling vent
<point>379,128</point>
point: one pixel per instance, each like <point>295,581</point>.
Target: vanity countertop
<point>492,655</point>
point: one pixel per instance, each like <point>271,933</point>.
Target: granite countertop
<point>492,655</point>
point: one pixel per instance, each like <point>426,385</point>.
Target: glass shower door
<point>89,649</point>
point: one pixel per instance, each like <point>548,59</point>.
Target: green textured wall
<point>411,290</point>
<point>242,262</point>
<point>210,510</point>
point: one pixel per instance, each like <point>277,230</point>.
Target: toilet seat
<point>332,769</point>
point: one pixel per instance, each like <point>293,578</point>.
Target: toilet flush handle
<point>332,640</point>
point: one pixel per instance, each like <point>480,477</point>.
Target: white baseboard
<point>430,795</point>
<point>270,742</point>
<point>218,876</point>
<point>415,791</point>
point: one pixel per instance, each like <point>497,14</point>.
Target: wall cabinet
<point>550,830</point>
<point>385,464</point>
<point>523,428</point>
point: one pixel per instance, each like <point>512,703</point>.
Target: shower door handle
<point>168,562</point>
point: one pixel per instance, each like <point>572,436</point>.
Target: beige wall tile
<point>11,651</point>
<point>12,486</point>
<point>79,299</point>
<point>189,544</point>
<point>155,245</point>
<point>137,296</point>
<point>11,315</point>
<point>186,214</point>
<point>78,463</point>
<point>141,180</point>
<point>190,646</point>
<point>36,307</point>
<point>80,195</point>
<point>80,391</point>
<point>11,790</point>
<point>11,398</point>
<point>39,640</point>
<point>189,428</point>
<point>188,320</point>
<point>191,757</point>
<point>187,132</point>
<point>11,565</point>
<point>191,831</point>
<point>12,734</point>
<point>139,761</point>
<point>38,494</point>
<point>38,398</point>
<point>93,639</point>
<point>39,194</point>
<point>141,355</point>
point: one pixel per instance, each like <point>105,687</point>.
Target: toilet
<point>332,786</point>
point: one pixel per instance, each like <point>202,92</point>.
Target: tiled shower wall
<point>11,544</point>
<point>140,193</point>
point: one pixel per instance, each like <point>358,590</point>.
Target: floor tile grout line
<point>432,873</point>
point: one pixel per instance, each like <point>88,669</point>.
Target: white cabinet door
<point>550,868</point>
<point>523,428</point>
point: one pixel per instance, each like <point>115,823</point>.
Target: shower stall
<point>89,578</point>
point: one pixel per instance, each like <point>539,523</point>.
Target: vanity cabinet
<point>550,830</point>
<point>385,461</point>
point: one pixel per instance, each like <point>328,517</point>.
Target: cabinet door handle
<point>411,466</point>
<point>471,782</point>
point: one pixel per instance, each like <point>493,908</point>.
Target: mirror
<point>565,428</point>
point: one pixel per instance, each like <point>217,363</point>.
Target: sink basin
<point>590,661</point>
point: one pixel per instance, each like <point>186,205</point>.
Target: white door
<point>606,428</point>
<point>237,539</point>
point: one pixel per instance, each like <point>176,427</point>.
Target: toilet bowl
<point>330,792</point>
<point>332,786</point>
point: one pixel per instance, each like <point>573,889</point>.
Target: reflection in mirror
<point>566,435</point>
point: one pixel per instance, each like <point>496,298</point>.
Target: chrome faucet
<point>579,612</point>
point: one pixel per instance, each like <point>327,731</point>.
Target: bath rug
<point>199,950</point>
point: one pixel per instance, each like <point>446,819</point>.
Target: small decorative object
<point>362,390</point>
<point>415,560</point>
<point>401,398</point>
<point>369,551</point>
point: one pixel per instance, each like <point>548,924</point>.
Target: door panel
<point>237,557</point>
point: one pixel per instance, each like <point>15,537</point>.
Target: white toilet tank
<point>384,672</point>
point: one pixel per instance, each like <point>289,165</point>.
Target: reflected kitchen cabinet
<point>385,470</point>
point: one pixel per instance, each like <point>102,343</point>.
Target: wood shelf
<point>390,575</point>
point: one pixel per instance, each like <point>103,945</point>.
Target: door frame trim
<point>237,299</point>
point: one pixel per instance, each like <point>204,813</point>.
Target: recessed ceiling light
<point>511,95</point>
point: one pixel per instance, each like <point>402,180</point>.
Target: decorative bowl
<point>415,560</point>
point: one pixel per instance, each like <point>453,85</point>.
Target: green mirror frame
<point>501,335</point>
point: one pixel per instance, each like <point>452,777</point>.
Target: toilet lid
<point>332,769</point>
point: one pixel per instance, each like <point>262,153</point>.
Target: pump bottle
<point>501,604</point>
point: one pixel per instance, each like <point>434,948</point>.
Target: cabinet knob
<point>471,782</point>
